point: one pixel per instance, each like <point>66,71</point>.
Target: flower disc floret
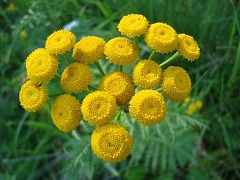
<point>66,112</point>
<point>188,47</point>
<point>118,84</point>
<point>176,83</point>
<point>111,142</point>
<point>161,37</point>
<point>76,77</point>
<point>98,108</point>
<point>148,107</point>
<point>133,25</point>
<point>121,51</point>
<point>60,42</point>
<point>89,49</point>
<point>147,74</point>
<point>33,96</point>
<point>41,65</point>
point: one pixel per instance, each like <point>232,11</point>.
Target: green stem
<point>87,90</point>
<point>99,68</point>
<point>58,76</point>
<point>120,68</point>
<point>152,54</point>
<point>56,94</point>
<point>119,115</point>
<point>93,87</point>
<point>138,48</point>
<point>176,55</point>
<point>159,89</point>
<point>67,58</point>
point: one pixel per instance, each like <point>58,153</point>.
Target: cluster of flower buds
<point>143,93</point>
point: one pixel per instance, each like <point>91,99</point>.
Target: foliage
<point>204,145</point>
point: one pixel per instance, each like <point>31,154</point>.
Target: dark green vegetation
<point>202,146</point>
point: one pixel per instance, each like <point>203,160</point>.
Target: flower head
<point>118,84</point>
<point>133,25</point>
<point>188,47</point>
<point>60,42</point>
<point>121,51</point>
<point>76,77</point>
<point>41,65</point>
<point>176,83</point>
<point>147,74</point>
<point>161,38</point>
<point>98,108</point>
<point>89,49</point>
<point>33,96</point>
<point>111,142</point>
<point>66,112</point>
<point>148,107</point>
<point>23,33</point>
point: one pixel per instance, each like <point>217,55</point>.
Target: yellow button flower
<point>98,108</point>
<point>161,38</point>
<point>176,83</point>
<point>60,42</point>
<point>121,51</point>
<point>188,47</point>
<point>89,49</point>
<point>147,74</point>
<point>76,77</point>
<point>66,112</point>
<point>133,25</point>
<point>111,142</point>
<point>148,107</point>
<point>41,65</point>
<point>118,84</point>
<point>33,96</point>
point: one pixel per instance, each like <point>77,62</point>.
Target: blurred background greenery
<point>201,145</point>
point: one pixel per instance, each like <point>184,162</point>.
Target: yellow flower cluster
<point>33,96</point>
<point>121,51</point>
<point>41,65</point>
<point>76,77</point>
<point>60,42</point>
<point>111,142</point>
<point>148,107</point>
<point>192,105</point>
<point>118,84</point>
<point>147,74</point>
<point>99,108</point>
<point>66,112</point>
<point>176,83</point>
<point>143,90</point>
<point>89,49</point>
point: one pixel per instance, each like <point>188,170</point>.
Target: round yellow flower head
<point>121,51</point>
<point>118,84</point>
<point>76,77</point>
<point>33,96</point>
<point>98,108</point>
<point>41,65</point>
<point>89,49</point>
<point>133,25</point>
<point>60,42</point>
<point>148,107</point>
<point>66,112</point>
<point>188,47</point>
<point>176,83</point>
<point>111,142</point>
<point>192,108</point>
<point>199,104</point>
<point>161,38</point>
<point>147,74</point>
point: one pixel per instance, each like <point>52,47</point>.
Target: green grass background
<point>203,146</point>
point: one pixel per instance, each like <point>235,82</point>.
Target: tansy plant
<point>142,94</point>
